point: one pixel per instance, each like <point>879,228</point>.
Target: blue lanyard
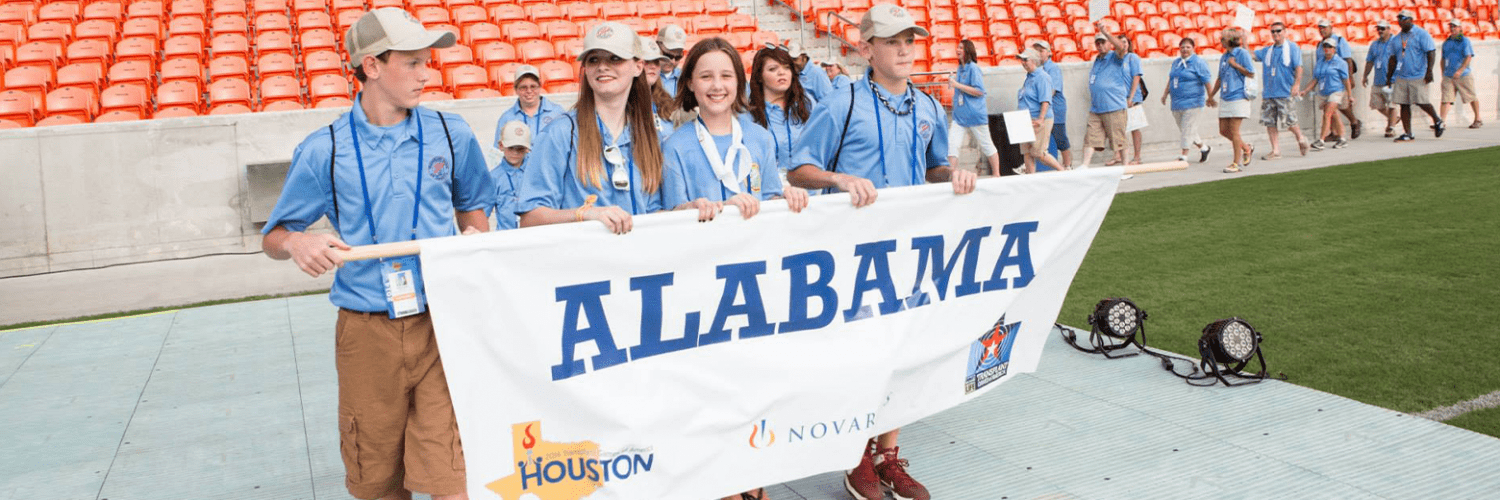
<point>880,131</point>
<point>629,160</point>
<point>786,122</point>
<point>365,187</point>
<point>540,106</point>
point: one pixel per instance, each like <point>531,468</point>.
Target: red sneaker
<point>892,472</point>
<point>862,482</point>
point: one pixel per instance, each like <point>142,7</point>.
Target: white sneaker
<point>1126,177</point>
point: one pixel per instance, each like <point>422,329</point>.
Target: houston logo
<point>564,471</point>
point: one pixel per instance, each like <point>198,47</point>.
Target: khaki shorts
<point>1106,130</point>
<point>1461,85</point>
<point>1336,97</point>
<point>1413,91</point>
<point>1378,102</point>
<point>396,423</point>
<point>1043,139</point>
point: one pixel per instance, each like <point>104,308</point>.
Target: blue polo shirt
<point>1059,101</point>
<point>841,81</point>
<point>1378,58</point>
<point>1132,70</point>
<point>1330,74</point>
<point>664,127</point>
<point>687,175</point>
<point>862,156</point>
<point>507,179</point>
<point>1231,81</point>
<point>1187,81</point>
<point>969,111</point>
<point>669,80</point>
<point>1454,52</point>
<point>1036,90</point>
<point>785,131</point>
<point>1278,77</point>
<point>1109,82</point>
<point>391,167</point>
<point>552,179</point>
<point>545,113</point>
<point>815,81</point>
<point>1413,47</point>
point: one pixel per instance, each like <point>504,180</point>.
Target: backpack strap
<point>333,185</point>
<point>833,166</point>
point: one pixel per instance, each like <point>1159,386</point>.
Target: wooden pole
<point>366,252</point>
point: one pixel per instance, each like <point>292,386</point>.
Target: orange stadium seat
<point>434,79</point>
<point>283,106</point>
<point>189,9</point>
<point>87,76</point>
<point>274,42</point>
<point>179,94</point>
<point>229,44</point>
<point>328,87</point>
<point>104,11</point>
<point>467,76</point>
<point>577,11</point>
<point>229,109</point>
<point>479,93</point>
<point>230,23</point>
<point>318,39</point>
<point>223,7</point>
<point>228,67</point>
<point>569,49</point>
<point>338,6</point>
<point>175,112</point>
<point>187,70</point>
<point>72,101</point>
<point>562,29</point>
<point>478,34</point>
<point>55,120</point>
<point>522,30</point>
<point>280,88</point>
<point>183,47</point>
<point>1002,29</point>
<point>345,19</point>
<point>331,102</point>
<point>17,13</point>
<point>434,15</point>
<point>650,9</point>
<point>505,76</point>
<point>496,53</point>
<point>142,27</point>
<point>557,73</point>
<point>436,95</point>
<point>230,91</point>
<point>536,51</point>
<point>116,116</point>
<point>90,51</point>
<point>318,20</point>
<point>271,22</point>
<point>615,11</point>
<point>543,12</point>
<point>505,13</point>
<point>44,55</point>
<point>322,62</point>
<point>19,107</point>
<point>145,9</point>
<point>135,72</point>
<point>50,31</point>
<point>737,23</point>
<point>127,98</point>
<point>279,63</point>
<point>452,56</point>
<point>259,7</point>
<point>467,15</point>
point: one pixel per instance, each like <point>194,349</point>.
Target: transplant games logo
<point>989,356</point>
<point>564,471</point>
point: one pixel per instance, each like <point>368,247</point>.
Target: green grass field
<point>1374,281</point>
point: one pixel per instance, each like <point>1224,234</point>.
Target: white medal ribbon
<point>730,178</point>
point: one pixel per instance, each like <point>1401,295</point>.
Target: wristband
<point>587,204</point>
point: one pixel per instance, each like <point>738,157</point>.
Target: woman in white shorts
<point>1234,71</point>
<point>969,113</point>
<point>1331,77</point>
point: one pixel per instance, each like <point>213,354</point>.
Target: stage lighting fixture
<point>1226,347</point>
<point>1115,324</point>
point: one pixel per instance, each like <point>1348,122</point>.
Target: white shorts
<point>981,134</point>
<point>1234,109</point>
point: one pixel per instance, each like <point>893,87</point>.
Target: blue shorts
<point>1060,136</point>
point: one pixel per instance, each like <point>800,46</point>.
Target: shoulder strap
<point>452,156</point>
<point>333,185</point>
<point>833,166</point>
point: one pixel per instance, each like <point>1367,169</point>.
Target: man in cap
<point>515,145</point>
<point>1109,95</point>
<point>883,133</point>
<point>1059,104</point>
<point>815,80</point>
<point>1325,29</point>
<point>1035,97</point>
<point>1377,60</point>
<point>1281,63</point>
<point>385,171</point>
<point>672,41</point>
<point>1412,73</point>
<point>1458,78</point>
<point>531,107</point>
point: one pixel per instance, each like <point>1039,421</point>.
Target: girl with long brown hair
<point>778,102</point>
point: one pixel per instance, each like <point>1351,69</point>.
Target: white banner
<point>690,360</point>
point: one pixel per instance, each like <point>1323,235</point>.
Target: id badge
<point>1092,78</point>
<point>400,275</point>
<point>755,178</point>
<point>1399,64</point>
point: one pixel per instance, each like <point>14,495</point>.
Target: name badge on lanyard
<point>400,275</point>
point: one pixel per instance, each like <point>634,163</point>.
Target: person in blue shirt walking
<point>778,103</point>
<point>1187,87</point>
<point>1281,63</point>
<point>1458,78</point>
<point>663,104</point>
<point>837,74</point>
<point>1377,59</point>
<point>1059,105</point>
<point>531,107</point>
<point>969,113</point>
<point>1109,93</point>
<point>602,161</point>
<point>1137,95</point>
<point>721,157</point>
<point>1412,73</point>
<point>884,133</point>
<point>814,80</point>
<point>1234,69</point>
<point>1331,78</point>
<point>385,171</point>
<point>1035,96</point>
<point>515,144</point>
<point>672,41</point>
<point>1346,54</point>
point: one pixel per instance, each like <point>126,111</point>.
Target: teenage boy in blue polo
<point>894,137</point>
<point>386,171</point>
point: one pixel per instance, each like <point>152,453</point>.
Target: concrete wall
<point>87,196</point>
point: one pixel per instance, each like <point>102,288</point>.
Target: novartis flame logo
<point>761,436</point>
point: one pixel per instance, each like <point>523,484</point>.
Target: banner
<point>689,360</point>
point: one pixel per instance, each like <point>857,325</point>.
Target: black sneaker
<point>1405,138</point>
<point>1439,128</point>
<point>1317,145</point>
<point>1204,152</point>
<point>1341,144</point>
<point>1355,129</point>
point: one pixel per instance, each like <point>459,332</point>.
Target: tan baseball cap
<point>1324,23</point>
<point>515,133</point>
<point>1383,24</point>
<point>527,69</point>
<point>1407,14</point>
<point>794,49</point>
<point>650,52</point>
<point>1453,21</point>
<point>612,37</point>
<point>672,37</point>
<point>390,28</point>
<point>887,20</point>
<point>1043,44</point>
<point>1029,55</point>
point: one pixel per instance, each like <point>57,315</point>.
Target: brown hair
<point>685,98</point>
<point>644,144</point>
<point>359,71</point>
<point>795,102</point>
<point>666,105</point>
<point>971,54</point>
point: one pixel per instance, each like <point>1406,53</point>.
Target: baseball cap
<point>390,28</point>
<point>1043,44</point>
<point>1029,55</point>
<point>515,133</point>
<point>1328,43</point>
<point>1100,36</point>
<point>615,38</point>
<point>1324,23</point>
<point>1406,14</point>
<point>650,51</point>
<point>672,37</point>
<point>1383,24</point>
<point>1455,22</point>
<point>527,69</point>
<point>794,49</point>
<point>887,20</point>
